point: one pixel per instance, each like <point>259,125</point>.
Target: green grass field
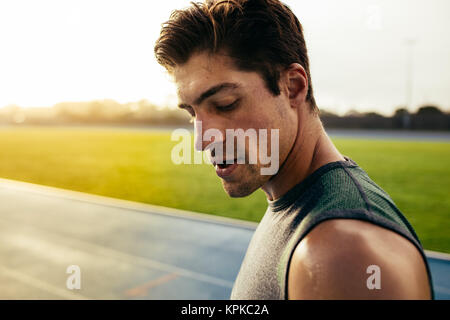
<point>136,165</point>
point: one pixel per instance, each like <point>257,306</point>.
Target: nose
<point>206,136</point>
<point>198,135</point>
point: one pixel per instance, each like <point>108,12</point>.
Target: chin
<point>235,190</point>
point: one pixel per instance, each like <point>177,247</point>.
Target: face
<point>219,96</point>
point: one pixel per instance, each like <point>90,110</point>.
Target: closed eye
<point>228,107</point>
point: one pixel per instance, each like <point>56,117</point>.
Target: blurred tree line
<point>425,118</point>
<point>95,112</point>
<point>143,112</point>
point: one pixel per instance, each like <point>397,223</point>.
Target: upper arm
<point>332,262</point>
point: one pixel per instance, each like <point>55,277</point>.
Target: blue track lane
<point>124,250</point>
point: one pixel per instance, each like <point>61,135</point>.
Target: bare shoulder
<point>354,259</point>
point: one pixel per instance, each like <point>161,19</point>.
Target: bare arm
<point>332,262</point>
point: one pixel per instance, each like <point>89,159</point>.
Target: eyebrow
<point>210,92</point>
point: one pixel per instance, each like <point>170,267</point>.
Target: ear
<point>297,82</point>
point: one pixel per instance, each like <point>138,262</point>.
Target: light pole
<point>409,72</point>
<point>409,82</point>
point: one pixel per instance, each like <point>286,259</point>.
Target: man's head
<point>240,64</point>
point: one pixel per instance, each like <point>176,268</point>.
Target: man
<point>329,231</point>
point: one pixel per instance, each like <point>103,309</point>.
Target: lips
<point>224,170</point>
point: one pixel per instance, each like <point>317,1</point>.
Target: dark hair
<point>259,35</point>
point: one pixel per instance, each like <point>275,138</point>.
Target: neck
<point>311,150</point>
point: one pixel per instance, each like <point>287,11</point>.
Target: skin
<point>331,261</point>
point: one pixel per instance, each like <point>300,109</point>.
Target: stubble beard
<point>248,181</point>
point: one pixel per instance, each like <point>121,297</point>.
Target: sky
<point>63,50</point>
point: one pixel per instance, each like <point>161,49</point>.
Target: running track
<point>125,250</point>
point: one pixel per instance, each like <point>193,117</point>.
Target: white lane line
<point>41,285</point>
<point>438,255</point>
<point>95,249</point>
<point>49,191</point>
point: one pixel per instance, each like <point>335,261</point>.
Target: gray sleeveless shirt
<point>339,189</point>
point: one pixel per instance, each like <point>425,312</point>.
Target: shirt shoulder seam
<point>360,189</point>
